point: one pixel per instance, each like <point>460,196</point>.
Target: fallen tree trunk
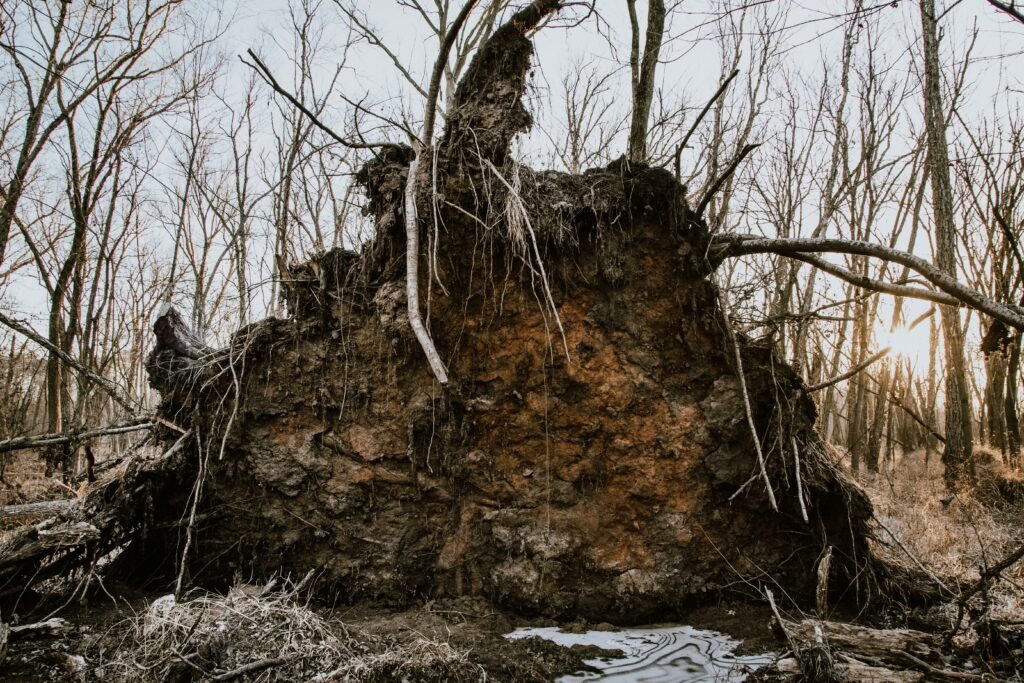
<point>43,440</point>
<point>46,508</point>
<point>116,513</point>
<point>835,651</point>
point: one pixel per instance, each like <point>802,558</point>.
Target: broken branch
<point>1008,9</point>
<point>701,115</point>
<point>268,77</point>
<point>105,384</point>
<point>725,246</point>
<point>20,443</point>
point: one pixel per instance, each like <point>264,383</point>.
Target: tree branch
<point>438,73</point>
<point>700,117</point>
<point>105,384</point>
<point>260,68</point>
<point>39,440</point>
<point>717,185</point>
<point>877,356</point>
<point>865,282</point>
<point>1009,9</point>
<point>914,416</point>
<point>725,246</point>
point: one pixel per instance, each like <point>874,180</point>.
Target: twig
<point>958,675</point>
<point>878,355</point>
<point>782,624</point>
<point>187,660</point>
<point>168,424</point>
<point>253,667</point>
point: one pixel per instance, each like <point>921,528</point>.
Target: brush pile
<point>258,635</point>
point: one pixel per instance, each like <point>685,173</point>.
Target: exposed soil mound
<point>589,458</point>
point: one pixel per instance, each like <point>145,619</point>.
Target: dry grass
<point>253,635</point>
<point>956,538</point>
<point>25,482</point>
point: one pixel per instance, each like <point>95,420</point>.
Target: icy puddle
<point>657,654</point>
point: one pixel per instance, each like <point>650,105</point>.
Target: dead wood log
<point>869,654</point>
<point>46,508</point>
<point>42,440</point>
<point>110,516</point>
<point>45,538</point>
<point>49,628</point>
<point>856,671</point>
<point>882,645</point>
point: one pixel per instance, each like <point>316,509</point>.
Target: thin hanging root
<point>746,402</point>
<point>412,252</point>
<point>799,485</point>
<point>524,214</point>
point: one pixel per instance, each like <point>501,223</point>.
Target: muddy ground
<point>102,633</point>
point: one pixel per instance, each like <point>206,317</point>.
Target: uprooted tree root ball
<point>590,456</point>
<point>598,452</point>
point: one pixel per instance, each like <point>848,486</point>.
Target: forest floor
<point>959,537</point>
<point>111,633</point>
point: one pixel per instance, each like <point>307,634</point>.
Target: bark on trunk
<point>957,456</point>
<point>643,70</point>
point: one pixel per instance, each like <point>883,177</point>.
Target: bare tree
<point>959,438</point>
<point>642,67</point>
<point>79,49</point>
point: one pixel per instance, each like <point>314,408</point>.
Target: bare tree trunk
<point>1010,402</point>
<point>874,445</point>
<point>643,70</point>
<point>856,397</point>
<point>995,386</point>
<point>959,437</point>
